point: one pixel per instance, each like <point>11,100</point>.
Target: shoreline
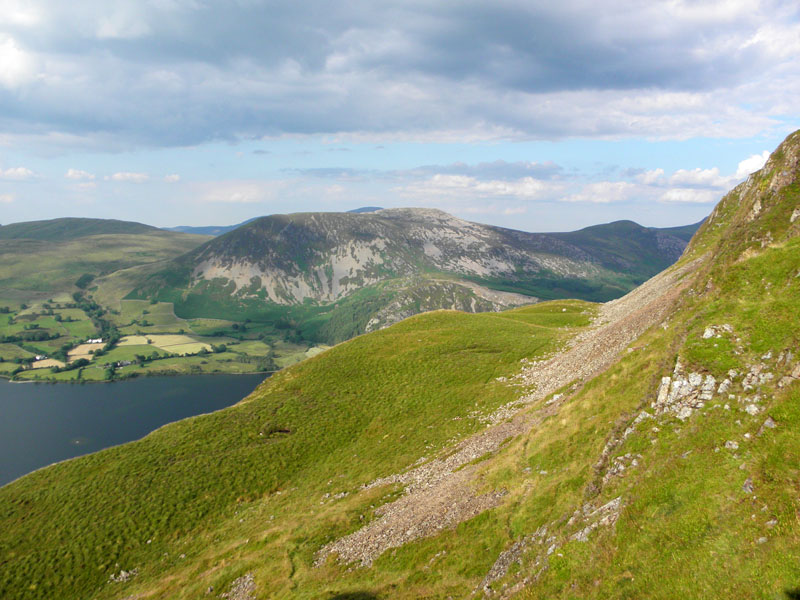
<point>122,379</point>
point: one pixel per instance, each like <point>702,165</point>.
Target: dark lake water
<point>43,423</point>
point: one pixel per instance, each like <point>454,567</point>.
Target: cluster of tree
<point>142,358</point>
<point>81,362</point>
<point>84,281</point>
<point>35,335</point>
<point>96,312</point>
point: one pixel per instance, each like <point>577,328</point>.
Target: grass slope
<point>55,266</point>
<point>360,410</point>
<point>70,228</point>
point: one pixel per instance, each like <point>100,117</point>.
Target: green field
<point>57,292</point>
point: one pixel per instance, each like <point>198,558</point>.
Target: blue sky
<point>533,115</point>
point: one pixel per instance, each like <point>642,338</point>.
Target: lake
<point>43,423</point>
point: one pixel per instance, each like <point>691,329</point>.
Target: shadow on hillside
<point>792,594</point>
<point>354,596</point>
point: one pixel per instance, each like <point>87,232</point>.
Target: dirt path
<point>439,494</point>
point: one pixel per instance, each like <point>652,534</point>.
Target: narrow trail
<point>439,493</point>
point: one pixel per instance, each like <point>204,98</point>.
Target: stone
<point>762,540</point>
<point>709,332</point>
<point>768,424</point>
<point>684,413</point>
<point>731,445</point>
<point>772,523</point>
<point>747,486</point>
<point>752,409</point>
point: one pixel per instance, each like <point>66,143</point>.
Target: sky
<point>535,115</point>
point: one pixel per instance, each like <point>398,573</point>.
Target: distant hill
<point>335,275</point>
<point>50,256</point>
<point>209,229</point>
<point>70,228</point>
<point>365,209</point>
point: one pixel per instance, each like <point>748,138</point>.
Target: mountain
<point>208,230</point>
<point>365,209</point>
<point>331,276</point>
<point>645,447</point>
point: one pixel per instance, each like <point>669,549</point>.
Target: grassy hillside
<point>60,230</point>
<point>360,410</point>
<point>51,256</point>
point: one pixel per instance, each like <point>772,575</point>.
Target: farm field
<point>141,338</point>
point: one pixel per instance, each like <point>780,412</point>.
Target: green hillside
<point>643,448</point>
<point>70,228</point>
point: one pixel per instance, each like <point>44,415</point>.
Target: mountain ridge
<point>322,259</point>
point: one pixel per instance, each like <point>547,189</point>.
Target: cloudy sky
<point>533,114</point>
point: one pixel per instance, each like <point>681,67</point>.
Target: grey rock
<point>768,424</point>
<point>747,486</point>
<point>752,409</point>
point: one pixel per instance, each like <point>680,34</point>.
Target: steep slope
<point>531,453</point>
<point>374,267</point>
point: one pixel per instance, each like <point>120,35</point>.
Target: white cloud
<point>129,177</point>
<point>689,195</point>
<point>751,164</point>
<point>78,175</point>
<point>464,185</point>
<point>17,174</point>
<point>6,198</point>
<point>17,66</point>
<point>651,177</point>
<point>604,192</point>
<point>174,178</point>
<point>20,12</point>
<point>238,192</point>
<point>709,178</point>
